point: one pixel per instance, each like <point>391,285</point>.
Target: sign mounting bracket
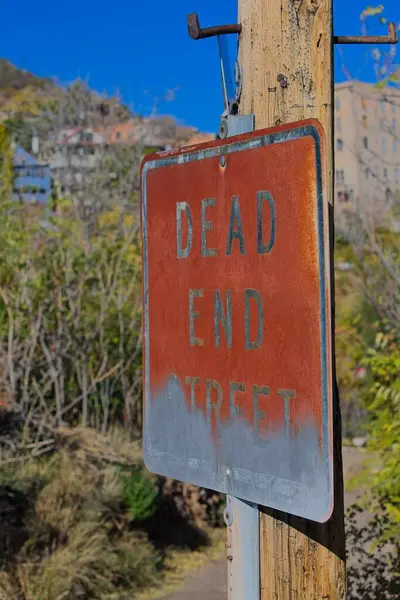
<point>241,518</point>
<point>231,123</point>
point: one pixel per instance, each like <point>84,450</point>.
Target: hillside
<point>18,85</point>
<point>29,102</point>
<point>24,96</point>
<point>12,78</point>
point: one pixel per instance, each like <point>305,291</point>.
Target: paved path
<point>210,582</point>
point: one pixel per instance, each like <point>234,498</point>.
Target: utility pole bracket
<point>231,122</point>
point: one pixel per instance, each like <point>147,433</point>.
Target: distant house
<point>32,178</point>
<point>122,133</point>
<point>79,137</point>
<point>77,147</point>
<point>198,138</point>
<point>138,131</point>
<point>72,154</point>
<point>154,133</point>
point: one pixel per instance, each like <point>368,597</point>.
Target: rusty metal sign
<point>237,338</point>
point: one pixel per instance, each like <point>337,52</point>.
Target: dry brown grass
<point>87,566</point>
<point>81,542</point>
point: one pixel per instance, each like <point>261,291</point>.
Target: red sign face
<point>237,348</point>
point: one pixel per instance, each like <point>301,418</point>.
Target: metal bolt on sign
<point>228,516</point>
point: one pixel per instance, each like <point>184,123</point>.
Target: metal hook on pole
<point>231,123</point>
<point>197,33</point>
<point>391,38</point>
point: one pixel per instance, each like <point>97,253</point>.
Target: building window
<point>337,103</point>
<point>365,142</point>
<point>339,145</point>
<point>384,145</point>
<point>385,174</point>
<point>118,135</point>
<point>394,146</point>
<point>87,136</point>
<point>339,125</point>
<point>340,176</point>
<point>366,173</point>
<point>393,108</point>
<point>382,106</point>
<point>394,125</point>
<point>383,125</point>
<point>397,176</point>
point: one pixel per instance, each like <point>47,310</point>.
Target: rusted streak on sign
<point>237,349</point>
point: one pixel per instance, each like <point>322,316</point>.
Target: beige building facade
<point>367,143</point>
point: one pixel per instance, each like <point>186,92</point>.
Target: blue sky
<point>142,48</point>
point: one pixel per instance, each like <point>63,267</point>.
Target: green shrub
<point>383,405</point>
<point>139,495</point>
<point>77,304</point>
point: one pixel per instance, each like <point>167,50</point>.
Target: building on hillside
<point>138,132</point>
<point>154,133</point>
<point>77,146</point>
<point>121,133</point>
<point>367,143</point>
<point>76,155</point>
<point>72,154</point>
<point>199,138</point>
<point>32,178</point>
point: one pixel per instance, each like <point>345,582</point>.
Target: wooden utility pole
<point>287,61</point>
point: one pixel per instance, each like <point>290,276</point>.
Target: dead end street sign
<point>237,332</point>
